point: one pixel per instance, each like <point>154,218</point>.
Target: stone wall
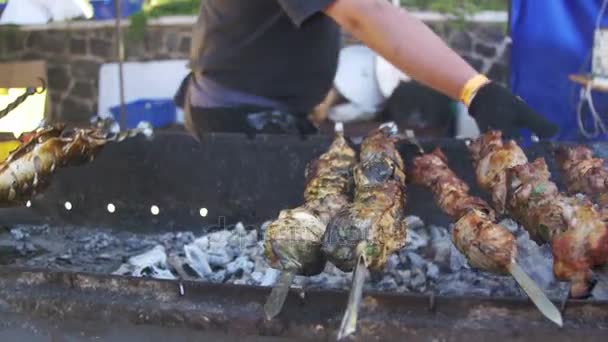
<point>75,52</point>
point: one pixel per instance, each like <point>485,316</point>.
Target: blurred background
<point>97,62</point>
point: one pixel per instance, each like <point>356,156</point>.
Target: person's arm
<point>404,41</point>
<point>415,49</point>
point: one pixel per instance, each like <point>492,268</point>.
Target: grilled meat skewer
<point>575,230</point>
<point>293,240</point>
<point>27,170</point>
<point>487,245</point>
<point>584,174</point>
<point>365,233</point>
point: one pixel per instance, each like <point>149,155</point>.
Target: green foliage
<point>159,8</point>
<point>456,7</point>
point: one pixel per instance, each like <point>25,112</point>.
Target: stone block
<point>485,50</point>
<point>83,90</point>
<point>102,48</point>
<point>85,69</point>
<point>461,41</point>
<point>58,77</point>
<point>75,111</point>
<point>477,64</point>
<point>171,41</point>
<point>184,45</point>
<point>78,46</point>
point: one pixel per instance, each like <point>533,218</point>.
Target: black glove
<point>495,107</point>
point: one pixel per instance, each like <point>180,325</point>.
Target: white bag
<point>31,12</point>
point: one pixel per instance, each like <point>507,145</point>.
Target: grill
<point>174,184</point>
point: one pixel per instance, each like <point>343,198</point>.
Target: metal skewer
<point>349,321</point>
<point>538,297</point>
<point>277,296</point>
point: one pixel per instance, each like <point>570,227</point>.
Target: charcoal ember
<point>155,272</point>
<point>392,263</point>
<point>600,290</point>
<point>198,260</point>
<point>135,244</point>
<point>414,222</point>
<point>402,277</point>
<point>388,283</point>
<point>416,261</point>
<point>155,256</point>
<point>270,277</point>
<point>457,260</point>
<point>179,238</point>
<point>219,258</point>
<point>432,271</point>
<point>537,261</point>
<point>19,234</point>
<point>511,225</point>
<point>264,226</point>
<point>97,241</point>
<point>416,239</point>
<point>441,244</point>
<point>418,280</point>
<point>65,258</point>
<point>105,256</point>
<point>242,263</point>
<point>217,277</point>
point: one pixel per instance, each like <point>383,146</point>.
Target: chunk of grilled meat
<point>28,169</point>
<point>487,245</point>
<point>584,174</point>
<point>293,240</point>
<point>572,226</point>
<point>491,159</point>
<point>376,216</point>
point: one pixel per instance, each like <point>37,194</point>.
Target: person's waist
<point>207,93</point>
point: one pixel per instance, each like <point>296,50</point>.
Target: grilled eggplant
<point>27,170</point>
<point>374,224</point>
<point>293,240</point>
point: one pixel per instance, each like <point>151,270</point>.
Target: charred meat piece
<point>373,225</point>
<point>27,170</point>
<point>293,240</point>
<point>584,174</point>
<point>487,245</point>
<point>572,226</point>
<point>491,159</point>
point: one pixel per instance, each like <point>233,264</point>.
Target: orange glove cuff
<point>471,87</point>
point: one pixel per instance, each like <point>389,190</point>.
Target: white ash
<point>429,261</point>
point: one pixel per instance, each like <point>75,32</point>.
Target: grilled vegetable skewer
<point>365,233</point>
<point>487,245</point>
<point>575,230</point>
<point>293,240</point>
<point>27,170</point>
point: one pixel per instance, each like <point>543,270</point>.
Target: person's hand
<point>495,107</point>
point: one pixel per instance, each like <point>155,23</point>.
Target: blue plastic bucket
<point>158,113</point>
<point>105,9</point>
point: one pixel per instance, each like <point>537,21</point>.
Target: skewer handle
<point>277,296</point>
<point>349,321</point>
<point>538,297</point>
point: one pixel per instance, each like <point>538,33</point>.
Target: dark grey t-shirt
<point>284,51</point>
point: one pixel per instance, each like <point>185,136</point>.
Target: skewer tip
<point>339,127</point>
<point>538,297</point>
